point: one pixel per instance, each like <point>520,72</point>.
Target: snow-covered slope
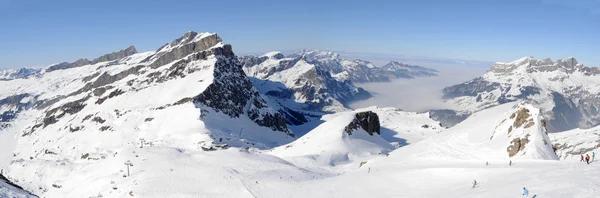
<point>572,144</point>
<point>500,133</point>
<point>189,94</point>
<point>9,189</point>
<point>347,138</point>
<point>567,92</point>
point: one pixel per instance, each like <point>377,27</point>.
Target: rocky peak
<point>116,55</point>
<point>368,121</point>
<point>530,65</point>
<point>188,36</point>
<point>191,42</point>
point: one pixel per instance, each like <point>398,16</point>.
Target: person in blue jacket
<point>525,192</point>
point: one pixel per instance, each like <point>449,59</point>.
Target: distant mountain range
<point>566,91</point>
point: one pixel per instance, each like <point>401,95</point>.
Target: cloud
<point>421,94</point>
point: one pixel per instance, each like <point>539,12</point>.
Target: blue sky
<point>41,32</point>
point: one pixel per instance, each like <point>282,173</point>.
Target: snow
<point>271,54</point>
<point>7,145</point>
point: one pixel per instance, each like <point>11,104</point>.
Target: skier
<point>525,192</point>
<point>474,183</point>
<point>593,156</point>
<point>581,158</point>
<point>510,163</point>
<point>587,158</point>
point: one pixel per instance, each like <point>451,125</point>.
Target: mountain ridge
<point>564,89</point>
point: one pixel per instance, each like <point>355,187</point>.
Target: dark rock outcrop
<point>368,121</point>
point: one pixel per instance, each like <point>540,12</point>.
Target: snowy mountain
<point>9,74</point>
<point>187,94</point>
<point>508,131</point>
<point>357,71</point>
<point>401,70</point>
<point>566,91</point>
<point>300,90</point>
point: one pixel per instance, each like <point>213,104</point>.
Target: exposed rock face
<point>566,90</point>
<point>517,145</point>
<point>233,94</point>
<point>368,121</point>
<point>107,57</point>
<point>189,43</point>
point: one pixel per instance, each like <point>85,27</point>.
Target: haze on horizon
<point>39,33</point>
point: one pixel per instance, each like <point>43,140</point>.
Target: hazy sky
<point>41,32</point>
